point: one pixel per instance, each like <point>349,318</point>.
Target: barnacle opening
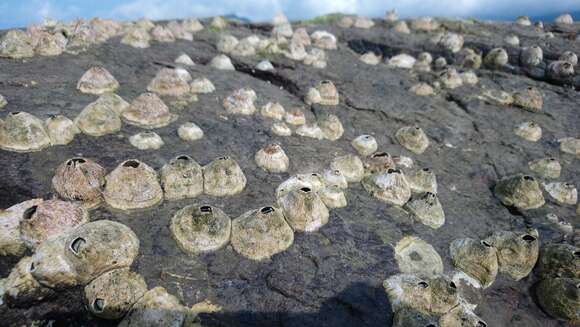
<point>528,178</point>
<point>528,238</point>
<point>481,324</point>
<point>431,325</point>
<point>223,158</point>
<point>75,161</point>
<point>380,154</point>
<point>393,171</point>
<point>131,164</point>
<point>577,254</point>
<point>183,158</point>
<point>29,212</point>
<point>32,267</point>
<point>266,210</point>
<point>485,243</point>
<point>305,189</point>
<point>76,245</point>
<point>452,285</point>
<point>205,209</point>
<point>14,113</point>
<point>426,170</point>
<point>99,305</point>
<point>423,284</point>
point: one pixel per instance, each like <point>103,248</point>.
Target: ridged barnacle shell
<point>241,102</point>
<point>23,132</point>
<point>517,253</point>
<point>415,256</point>
<point>559,69</point>
<point>529,99</point>
<point>20,288</point>
<point>570,145</point>
<point>61,130</point>
<point>50,43</point>
<point>313,181</point>
<point>422,89</point>
<point>112,294</point>
<point>477,259</point>
<point>559,260</point>
<point>333,197</point>
<point>570,57</point>
<point>180,30</point>
<point>562,192</point>
<point>272,158</point>
<point>422,180</point>
<point>328,93</point>
<point>363,22</point>
<point>333,177</point>
<point>219,22</point>
<point>222,62</point>
<point>468,58</point>
<point>564,19</point>
<point>512,40</point>
<point>281,129</point>
<point>426,208</point>
<point>97,80</point>
<point>424,24</point>
<point>311,130</point>
<point>273,110</point>
<point>156,308</point>
<point>350,166</point>
<point>80,179</point>
<point>529,131</point>
<point>449,41</point>
<point>370,58</point>
<point>378,162</point>
<point>402,27</point>
<point>523,21</point>
<point>390,187</point>
<point>162,34</point>
<point>531,56</point>
<point>498,97</point>
<point>202,85</point>
<point>496,58</point>
<point>182,178</point>
<point>226,43</point>
<point>304,210</point>
<point>469,77</point>
<point>546,167</point>
<point>402,60</point>
<point>324,40</point>
<point>16,44</point>
<point>450,78</point>
<point>11,244</point>
<point>146,141</point>
<point>260,234</point>
<point>132,185</point>
<point>148,111</point>
<point>461,315</point>
<point>246,47</point>
<point>198,229</point>
<point>365,145</point>
<point>136,37</point>
<point>520,191</point>
<point>192,25</point>
<point>184,60</point>
<point>560,298</point>
<point>190,132</point>
<point>170,82</point>
<point>296,51</point>
<point>102,116</point>
<point>413,139</point>
<point>223,177</point>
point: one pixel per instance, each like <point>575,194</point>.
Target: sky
<point>19,13</point>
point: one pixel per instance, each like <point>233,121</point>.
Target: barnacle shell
<point>427,209</point>
<point>61,130</point>
<point>148,111</point>
<point>562,192</point>
<point>415,256</point>
<point>156,308</point>
<point>520,191</point>
<point>413,139</point>
<point>304,210</point>
<point>189,132</point>
<point>132,185</point>
<point>241,102</point>
<point>80,179</point>
<point>390,187</point>
<point>182,178</point>
<point>223,177</point>
<point>97,80</point>
<point>517,253</point>
<point>350,166</point>
<point>476,259</point>
<point>198,229</point>
<point>10,241</point>
<point>546,167</point>
<point>365,145</point>
<point>23,132</point>
<point>272,158</point>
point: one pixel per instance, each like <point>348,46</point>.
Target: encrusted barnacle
<point>80,179</point>
<point>498,97</point>
<point>226,43</point>
<point>390,187</point>
<point>370,58</point>
<point>423,62</point>
<point>148,111</point>
<point>23,132</point>
<point>219,22</point>
<point>304,209</point>
<point>311,130</point>
<point>301,35</point>
<point>520,191</point>
<point>295,116</point>
<point>570,57</point>
<point>461,316</point>
<point>112,294</point>
<point>61,130</point>
<point>422,180</point>
<point>523,21</point>
<point>272,158</point>
<point>365,145</point>
<point>415,256</point>
<point>222,62</point>
<point>496,58</point>
<point>413,139</point>
<point>19,287</point>
<point>422,89</point>
<point>184,60</point>
<point>16,44</point>
<point>517,253</point>
<point>146,141</point>
<point>265,65</point>
<point>559,260</point>
<point>477,259</point>
<point>84,253</point>
<point>363,22</point>
<point>202,85</point>
<point>331,126</point>
<point>378,162</point>
<point>284,29</point>
<point>333,177</point>
<point>246,47</point>
<point>559,69</point>
<point>182,178</point>
<point>403,161</point>
<point>546,167</point>
<point>281,129</point>
<point>179,30</point>
<point>296,51</point>
<point>333,197</point>
<point>440,63</point>
<point>102,116</point>
<point>11,244</point>
<point>427,209</point>
<point>531,56</point>
<point>403,60</point>
<point>273,110</point>
<point>132,185</point>
<point>324,40</point>
<point>259,234</point>
<point>241,102</point>
<point>192,25</point>
<point>97,80</point>
<point>144,23</point>
<point>170,82</point>
<point>162,34</point>
<point>402,27</point>
<point>313,181</point>
<point>529,99</point>
<point>49,43</point>
<point>560,298</point>
<point>426,24</point>
<point>570,145</point>
<point>512,40</point>
<point>468,58</point>
<point>450,78</point>
<point>189,132</point>
<point>346,22</point>
<point>328,94</point>
<point>223,177</point>
<point>156,308</point>
<point>449,41</point>
<point>198,229</point>
<point>469,77</point>
<point>562,192</point>
<point>407,317</point>
<point>350,166</point>
<point>564,19</point>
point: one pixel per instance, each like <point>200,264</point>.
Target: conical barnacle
<point>323,40</point>
<point>559,260</point>
<point>498,97</point>
<point>50,43</point>
<point>265,65</point>
<point>422,89</point>
<point>403,161</point>
<point>422,180</point>
<point>132,185</point>
<point>180,31</point>
<point>531,56</point>
<point>378,162</point>
<point>520,191</point>
<point>570,145</point>
<point>402,61</point>
<point>517,253</point>
<point>23,132</point>
<point>496,58</point>
<point>156,308</point>
<point>19,287</point>
<point>222,62</point>
<point>328,93</point>
<point>365,145</point>
<point>450,78</point>
<point>192,25</point>
<point>61,130</point>
<point>136,37</point>
<point>424,24</point>
<point>202,85</point>
<point>370,58</point>
<point>570,57</point>
<point>184,60</point>
<point>313,181</point>
<point>170,82</point>
<point>198,229</point>
<point>102,116</point>
<point>281,129</point>
<point>241,102</point>
<point>162,34</point>
<point>390,187</point>
<point>223,177</point>
<point>363,22</point>
<point>469,77</point>
<point>529,131</point>
<point>333,197</point>
<point>560,298</point>
<point>295,116</point>
<point>421,64</point>
<point>477,259</point>
<point>227,43</point>
<point>346,22</point>
<point>415,256</point>
<point>402,27</point>
<point>350,166</point>
<point>189,132</point>
<point>407,317</point>
<point>564,19</point>
<point>84,253</point>
<point>330,126</point>
<point>301,35</point>
<point>427,209</point>
<point>559,69</point>
<point>304,210</point>
<point>512,40</point>
<point>80,179</point>
<point>11,244</point>
<point>81,37</point>
<point>461,316</point>
<point>282,30</point>
<point>272,158</point>
<point>312,96</point>
<point>562,192</point>
<point>413,139</point>
<point>244,48</point>
<point>523,21</point>
<point>296,51</point>
<point>333,177</point>
<point>311,130</point>
<point>182,178</point>
<point>16,44</point>
<point>315,58</point>
<point>468,58</point>
<point>260,234</point>
<point>97,80</point>
<point>529,99</point>
<point>146,141</point>
<point>273,110</point>
<point>112,294</point>
<point>449,41</point>
<point>148,111</point>
<point>440,63</point>
<point>219,22</point>
<point>546,167</point>
<point>279,19</point>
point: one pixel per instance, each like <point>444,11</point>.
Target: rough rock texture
<point>331,277</point>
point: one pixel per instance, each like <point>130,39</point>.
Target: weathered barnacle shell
<point>112,294</point>
<point>434,295</point>
<point>182,178</point>
<point>11,243</point>
<point>80,179</point>
<point>281,129</point>
<point>97,80</point>
<point>265,65</point>
<point>223,177</point>
<point>570,57</point>
<point>403,60</point>
<point>560,298</point>
<point>450,78</point>
<point>330,126</point>
<point>301,35</point>
<point>61,130</point>
<point>146,141</point>
<point>390,187</point>
<point>311,130</point>
<point>449,41</point>
<point>559,69</point>
<point>413,139</point>
<point>562,192</point>
<point>461,316</point>
<point>564,19</point>
<point>498,97</point>
<point>422,89</point>
<point>304,209</point>
<point>241,102</point>
<point>170,82</point>
<point>570,145</point>
<point>282,30</point>
<point>273,110</point>
<point>520,191</point>
<point>313,181</point>
<point>222,62</point>
<point>324,40</point>
<point>328,94</point>
<point>407,317</point>
<point>192,25</point>
<point>391,16</point>
<point>365,145</point>
<point>378,162</point>
<point>296,51</point>
<point>402,27</point>
<point>517,253</point>
<point>559,260</point>
<point>440,63</point>
<point>50,218</point>
<point>23,132</point>
<point>84,253</point>
<point>272,158</point>
<point>16,44</point>
<point>179,30</point>
<point>523,21</point>
<point>350,166</point>
<point>403,161</point>
<point>246,47</point>
<point>415,256</point>
<point>132,185</point>
<point>148,111</point>
<point>477,259</point>
<point>202,85</point>
<point>496,58</point>
<point>333,197</point>
<point>370,58</point>
<point>468,58</point>
<point>295,116</point>
<point>531,56</point>
<point>512,40</point>
<point>469,77</point>
<point>422,180</point>
<point>260,234</point>
<point>363,22</point>
<point>102,116</point>
<point>19,287</point>
<point>184,60</point>
<point>226,43</point>
<point>424,24</point>
<point>530,99</point>
<point>156,308</point>
<point>346,22</point>
<point>198,229</point>
<point>546,167</point>
<point>219,22</point>
<point>189,132</point>
<point>162,34</point>
<point>144,23</point>
<point>427,209</point>
<point>3,101</point>
<point>50,43</point>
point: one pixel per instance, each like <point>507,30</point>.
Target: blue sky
<point>16,13</point>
